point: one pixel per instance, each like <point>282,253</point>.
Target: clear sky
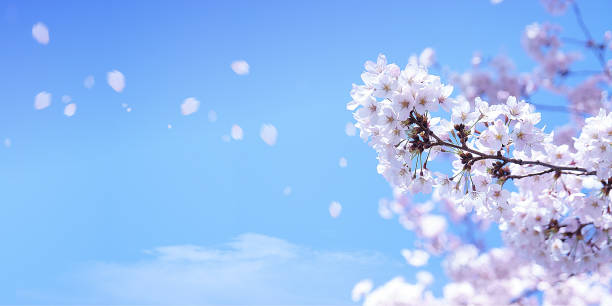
<point>110,206</point>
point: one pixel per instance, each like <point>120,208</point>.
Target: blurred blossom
<point>425,278</point>
<point>7,142</point>
<point>432,225</point>
<point>416,258</point>
<point>240,67</point>
<point>556,7</point>
<point>268,134</point>
<point>427,57</point>
<point>189,106</point>
<point>361,289</point>
<point>66,99</point>
<point>40,33</point>
<point>42,100</point>
<point>116,80</point>
<point>226,138</point>
<point>350,129</point>
<point>236,132</point>
<point>384,210</point>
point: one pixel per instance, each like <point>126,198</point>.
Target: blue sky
<point>88,200</point>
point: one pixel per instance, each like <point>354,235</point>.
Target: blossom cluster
<point>497,277</point>
<point>559,211</point>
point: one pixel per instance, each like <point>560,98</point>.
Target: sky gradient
<point>93,204</point>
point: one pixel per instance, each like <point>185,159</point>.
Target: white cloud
<point>70,109</point>
<point>253,269</point>
<point>89,81</point>
<point>268,134</point>
<point>190,106</point>
<point>40,33</point>
<point>240,67</point>
<point>116,80</point>
<point>236,132</point>
<point>335,209</point>
<point>42,100</point>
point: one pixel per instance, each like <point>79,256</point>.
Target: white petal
<point>236,132</point>
<point>287,190</point>
<point>334,209</point>
<point>343,162</point>
<point>40,33</point>
<point>212,116</point>
<point>190,106</point>
<point>66,99</point>
<point>350,129</point>
<point>116,80</point>
<point>42,100</point>
<point>70,109</point>
<point>89,81</point>
<point>268,134</point>
<point>240,67</point>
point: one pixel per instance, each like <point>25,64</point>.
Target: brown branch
<point>482,156</point>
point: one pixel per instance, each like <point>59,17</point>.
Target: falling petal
<point>70,109</point>
<point>89,81</point>
<point>334,209</point>
<point>343,162</point>
<point>212,116</point>
<point>7,142</point>
<point>116,80</point>
<point>40,33</point>
<point>268,134</point>
<point>226,138</point>
<point>42,100</point>
<point>236,132</point>
<point>240,67</point>
<point>190,106</point>
<point>287,191</point>
<point>169,126</point>
<point>66,99</point>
